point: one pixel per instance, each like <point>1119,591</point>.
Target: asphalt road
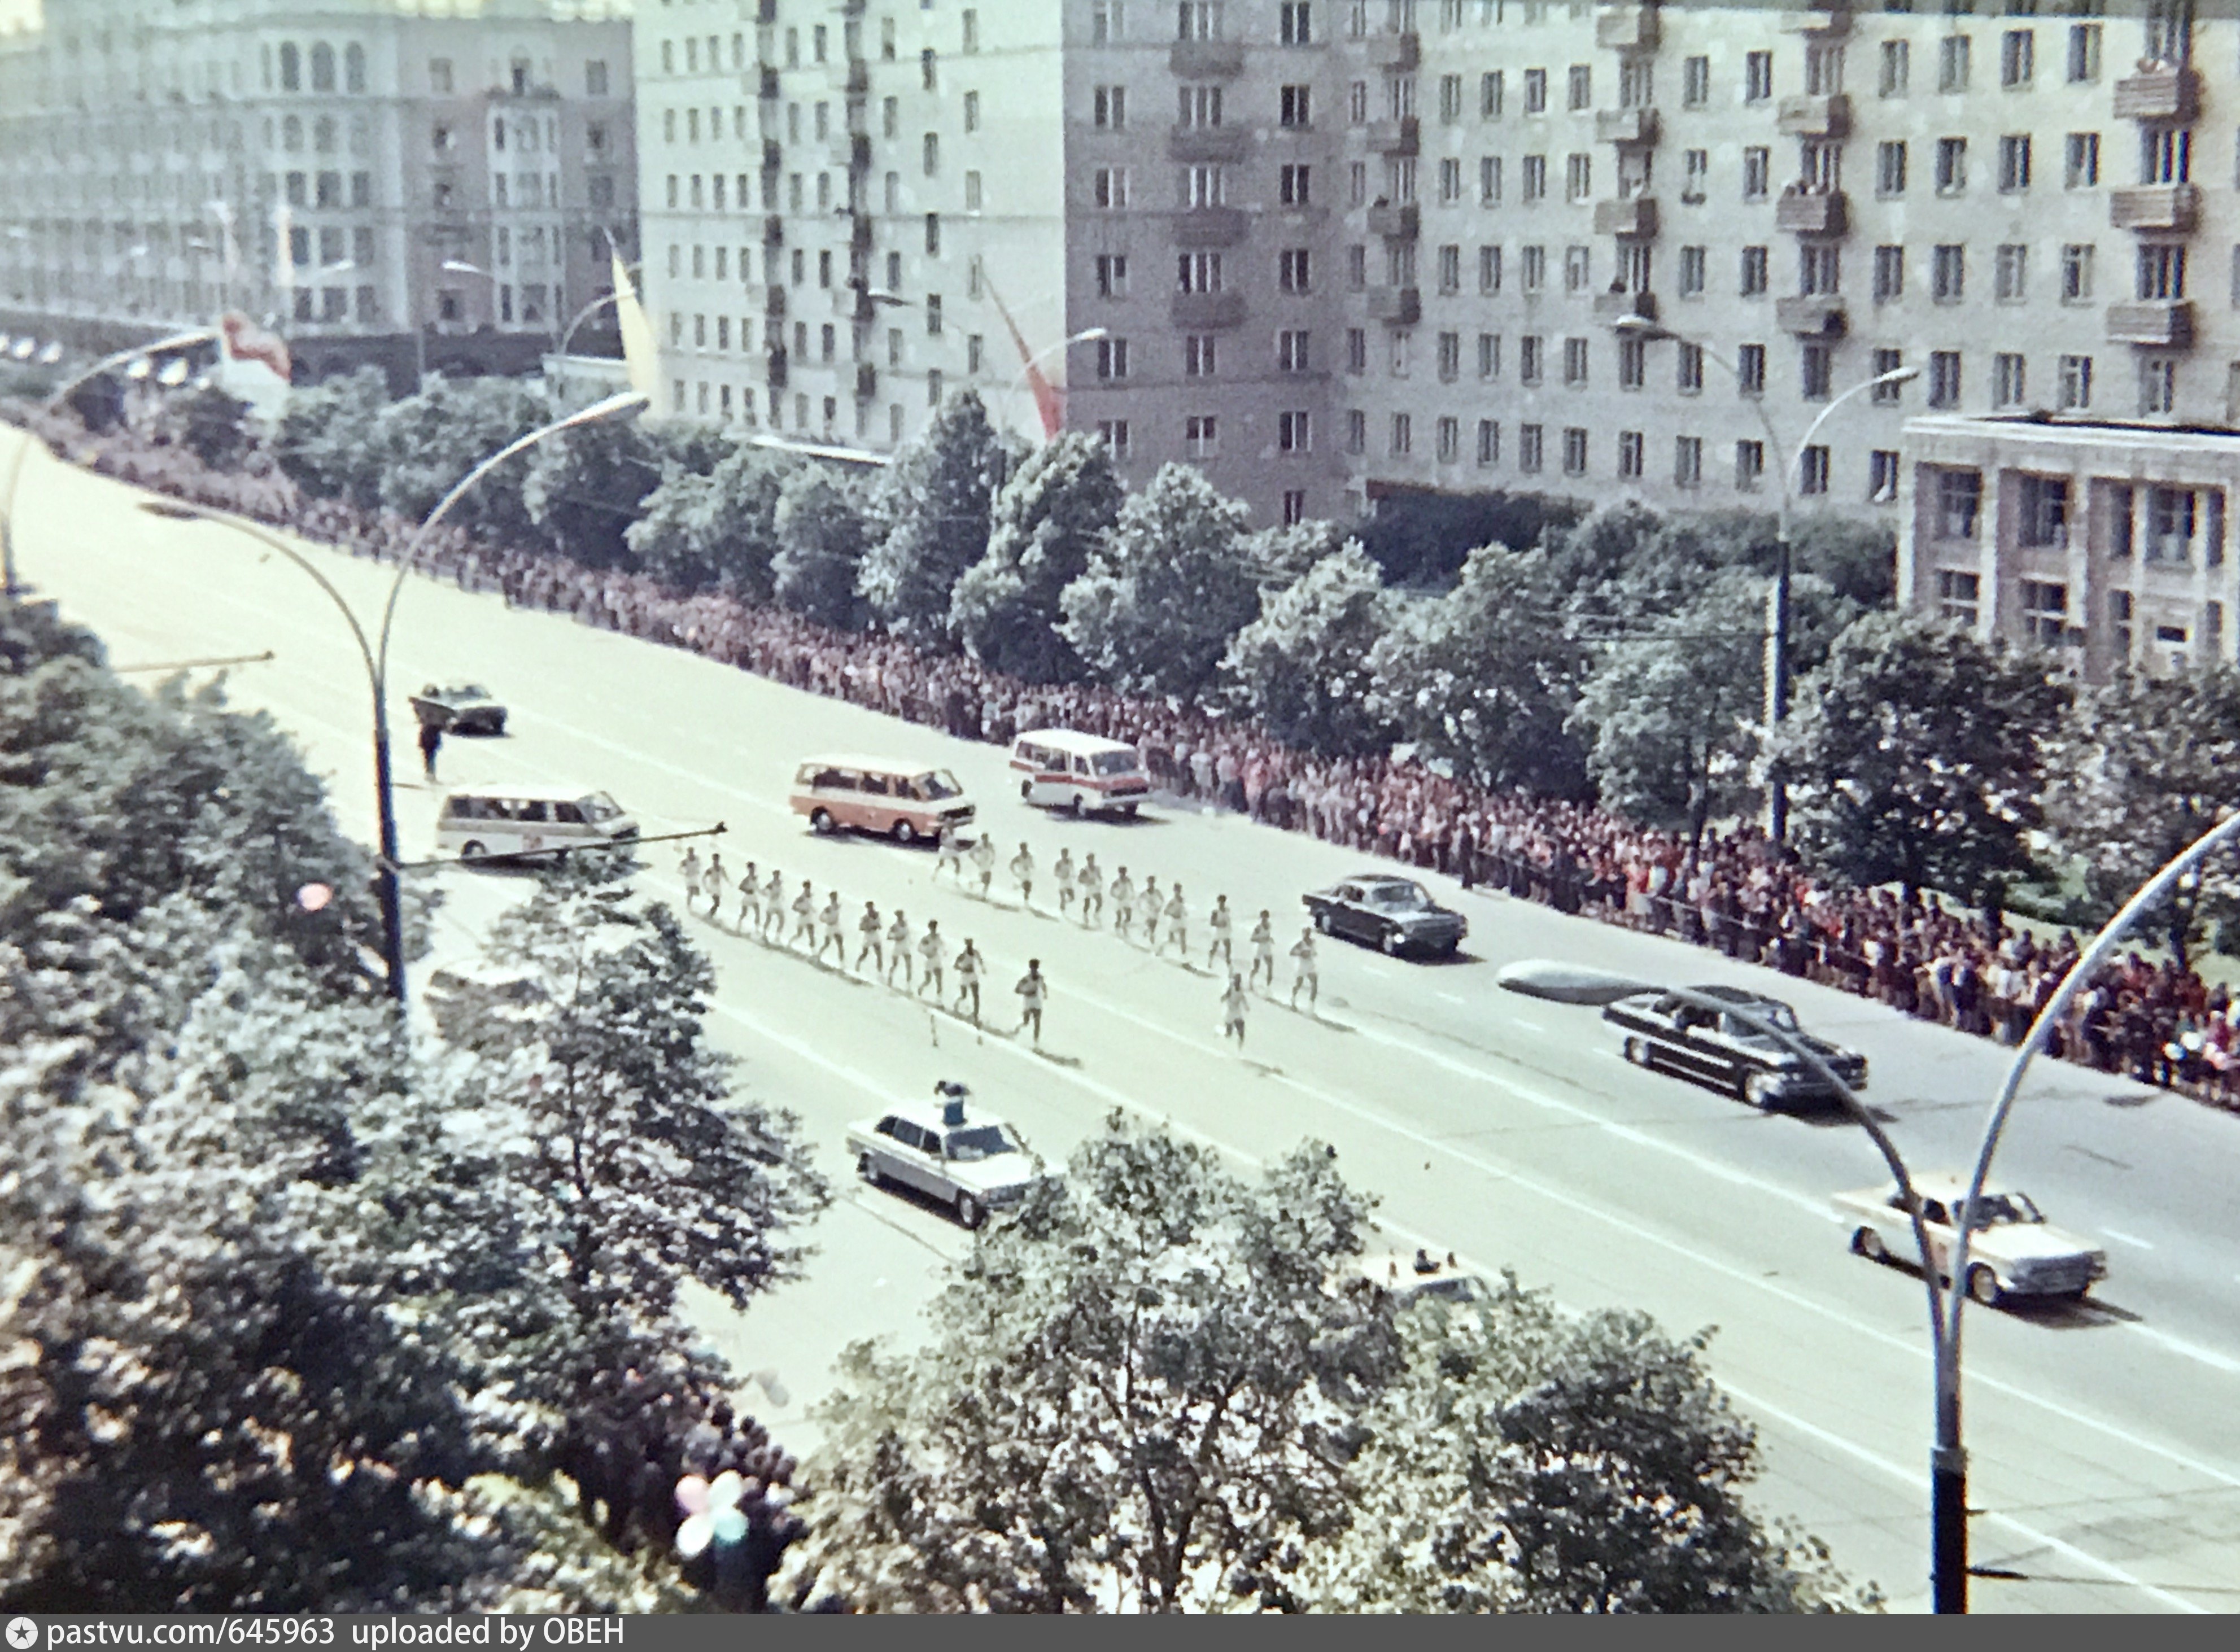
<point>2105,1439</point>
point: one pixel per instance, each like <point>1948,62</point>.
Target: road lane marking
<point>2178,1345</point>
<point>1533,1026</point>
<point>2129,1239</point>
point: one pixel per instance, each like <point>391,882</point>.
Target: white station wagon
<point>2013,1251</point>
<point>972,1165</point>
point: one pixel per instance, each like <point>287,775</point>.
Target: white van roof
<point>1073,740</point>
<point>876,765</point>
<point>528,794</point>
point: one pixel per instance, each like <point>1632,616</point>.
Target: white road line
<point>2178,1345</point>
<point>1450,997</point>
<point>1533,1026</point>
<point>2129,1239</point>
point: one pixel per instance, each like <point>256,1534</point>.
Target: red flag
<point>1050,401</point>
<point>246,342</point>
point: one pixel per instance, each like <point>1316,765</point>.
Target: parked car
<point>1715,1044</point>
<point>888,796</point>
<point>973,1165</point>
<point>1397,915</point>
<point>465,708</point>
<point>2012,1249</point>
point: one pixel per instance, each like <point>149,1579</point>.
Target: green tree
<point>719,528</point>
<point>1155,611</point>
<point>934,503</point>
<point>1918,756</point>
<point>1303,667</point>
<point>1046,521</point>
<point>585,488</point>
<point>2145,767</point>
<point>1522,1463</point>
<point>1484,676</point>
<point>213,425</point>
<point>1133,1399</point>
<point>326,443</point>
<point>427,442</point>
<point>820,527</point>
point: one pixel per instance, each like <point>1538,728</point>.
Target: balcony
<point>1190,144</point>
<point>1209,226</point>
<point>1206,59</point>
<point>1826,117</point>
<point>849,74</point>
<point>1635,216</point>
<point>1393,137</point>
<point>1396,53</point>
<point>1636,125</point>
<point>767,89</point>
<point>2174,207</point>
<point>1802,212</point>
<point>1611,307</point>
<point>774,367</point>
<point>1396,306</point>
<point>773,231</point>
<point>859,232</point>
<point>867,381</point>
<point>2161,323</point>
<point>1198,311</point>
<point>1626,28</point>
<point>2165,92</point>
<point>773,156</point>
<point>1821,316</point>
<point>773,302</point>
<point>1823,20</point>
<point>1402,222</point>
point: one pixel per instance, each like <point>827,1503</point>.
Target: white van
<point>1084,773</point>
<point>492,822</point>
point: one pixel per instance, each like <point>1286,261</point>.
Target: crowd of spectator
<point>1735,892</point>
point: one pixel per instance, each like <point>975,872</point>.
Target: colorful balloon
<point>313,898</point>
<point>727,1490</point>
<point>729,1525</point>
<point>694,1537</point>
<point>693,1495</point>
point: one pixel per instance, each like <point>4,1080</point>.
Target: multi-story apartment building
<point>418,182</point>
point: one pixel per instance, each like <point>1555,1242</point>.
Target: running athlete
<point>1218,922</point>
<point>689,870</point>
<point>751,900</point>
<point>1124,904</point>
<point>1062,876</point>
<point>1303,968</point>
<point>713,883</point>
<point>1034,992</point>
<point>984,861</point>
<point>931,949</point>
<point>1089,881</point>
<point>1178,922</point>
<point>951,856</point>
<point>1263,951</point>
<point>774,904</point>
<point>870,930</point>
<point>1154,909</point>
<point>970,965</point>
<point>898,937</point>
<point>1023,873</point>
<point>804,915</point>
<point>1233,1001</point>
<point>829,923</point>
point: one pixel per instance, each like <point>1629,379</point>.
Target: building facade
<point>415,183</point>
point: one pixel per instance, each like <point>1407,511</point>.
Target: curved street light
<point>375,654</point>
<point>1948,1471</point>
<point>1777,684</point>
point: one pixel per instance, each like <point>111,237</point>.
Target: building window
<point>1489,180</point>
<point>1357,431</point>
<point>1488,356</point>
<point>1294,433</point>
<point>1489,95</point>
<point>1749,466</point>
<point>1111,275</point>
<point>1575,451</point>
<point>1450,270</point>
<point>1292,353</point>
<point>1109,189</point>
<point>1201,435</point>
<point>1293,273</point>
<point>1403,435</point>
<point>1296,21</point>
<point>1450,358</point>
<point>1697,166</point>
<point>1750,369</point>
<point>1200,355</point>
<point>1449,436</point>
<point>1536,178</point>
<point>2014,163</point>
<point>1692,264</point>
<point>2083,52</point>
<point>1688,372</point>
<point>1631,447</point>
<point>1574,362</point>
<point>2008,381</point>
<point>1114,433</point>
<point>1959,503</point>
<point>1889,167</point>
<point>1578,176</point>
<point>1534,275</point>
<point>2075,383</point>
<point>1530,448</point>
<point>1536,92</point>
<point>2076,274</point>
<point>1895,69</point>
<point>1110,108</point>
<point>1959,597</point>
<point>1948,272</point>
<point>1450,99</point>
<point>1952,165</point>
<point>1489,441</point>
<point>1754,271</point>
<point>2157,385</point>
<point>1816,363</point>
<point>1295,186</point>
<point>2161,273</point>
<point>1451,181</point>
<point>2009,270</point>
<point>1489,271</point>
<point>1812,469</point>
<point>1952,64</point>
<point>1945,378</point>
<point>1356,349</point>
<point>2045,612</point>
<point>1576,269</point>
<point>1632,362</point>
<point>2017,58</point>
<point>1687,462</point>
<point>1112,359</point>
<point>1293,108</point>
<point>1890,274</point>
<point>1819,269</point>
<point>1757,173</point>
<point>1881,475</point>
<point>1886,363</point>
<point>2044,524</point>
<point>1528,355</point>
<point>2082,158</point>
<point>1695,82</point>
<point>1758,77</point>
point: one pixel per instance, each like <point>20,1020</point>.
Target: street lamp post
<point>10,586</point>
<point>375,654</point>
<point>1777,615</point>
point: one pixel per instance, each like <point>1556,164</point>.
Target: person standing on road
<point>750,901</point>
<point>1178,923</point>
<point>1233,1000</point>
<point>1062,875</point>
<point>431,742</point>
<point>1303,969</point>
<point>970,965</point>
<point>950,855</point>
<point>931,961</point>
<point>1263,951</point>
<point>1089,881</point>
<point>1218,922</point>
<point>1123,905</point>
<point>984,861</point>
<point>689,870</point>
<point>774,905</point>
<point>1023,873</point>
<point>713,883</point>
<point>870,930</point>
<point>1034,992</point>
<point>829,922</point>
<point>804,915</point>
<point>898,938</point>
<point>1154,909</point>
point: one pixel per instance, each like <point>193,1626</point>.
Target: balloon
<point>694,1537</point>
<point>727,1490</point>
<point>729,1525</point>
<point>693,1495</point>
<point>313,898</point>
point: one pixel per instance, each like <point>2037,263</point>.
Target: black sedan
<point>463,709</point>
<point>1707,1036</point>
<point>1395,914</point>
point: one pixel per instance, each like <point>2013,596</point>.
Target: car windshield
<point>470,692</point>
<point>1764,1011</point>
<point>1115,762</point>
<point>977,1142</point>
<point>599,809</point>
<point>936,785</point>
<point>1997,1209</point>
<point>1399,896</point>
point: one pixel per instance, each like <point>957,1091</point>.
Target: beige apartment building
<point>414,182</point>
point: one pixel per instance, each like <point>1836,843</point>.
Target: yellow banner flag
<point>638,357</point>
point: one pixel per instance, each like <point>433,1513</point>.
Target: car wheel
<point>1868,1244</point>
<point>1322,922</point>
<point>867,1169</point>
<point>1129,809</point>
<point>1757,1091</point>
<point>1636,1052</point>
<point>1983,1287</point>
<point>472,851</point>
<point>821,823</point>
<point>970,1210</point>
<point>905,834</point>
<point>1074,808</point>
<point>1026,791</point>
